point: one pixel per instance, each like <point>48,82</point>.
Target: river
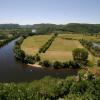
<point>12,71</point>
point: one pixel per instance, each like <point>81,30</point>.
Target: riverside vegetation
<point>65,51</point>
<point>83,87</point>
<point>80,56</point>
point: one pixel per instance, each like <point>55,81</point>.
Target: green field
<point>60,50</point>
<point>32,44</point>
<point>80,36</point>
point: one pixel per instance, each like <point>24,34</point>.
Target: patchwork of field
<point>32,44</point>
<point>60,50</point>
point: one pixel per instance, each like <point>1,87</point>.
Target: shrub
<point>57,65</point>
<point>37,57</point>
<point>45,63</point>
<point>65,65</point>
<point>80,55</point>
<point>79,88</point>
<point>74,64</point>
<point>2,43</point>
<point>29,59</point>
<point>19,42</point>
<point>90,64</point>
<point>98,62</point>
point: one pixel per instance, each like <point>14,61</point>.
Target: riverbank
<point>14,71</point>
<point>4,42</point>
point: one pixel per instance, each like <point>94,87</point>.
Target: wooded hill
<point>72,27</point>
<point>47,28</point>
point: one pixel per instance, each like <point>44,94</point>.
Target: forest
<point>47,28</point>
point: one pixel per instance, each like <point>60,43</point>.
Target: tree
<point>19,54</point>
<point>56,64</point>
<point>45,63</point>
<point>29,59</point>
<point>80,55</point>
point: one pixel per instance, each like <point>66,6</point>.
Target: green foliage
<point>9,26</point>
<point>83,75</point>
<point>2,43</point>
<point>19,54</point>
<point>90,64</point>
<point>65,64</point>
<point>45,63</point>
<point>37,57</point>
<point>98,63</point>
<point>95,50</point>
<point>58,65</point>
<point>80,55</point>
<point>29,59</point>
<point>72,27</point>
<point>52,89</point>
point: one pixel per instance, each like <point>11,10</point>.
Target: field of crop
<point>80,36</point>
<point>61,50</point>
<point>32,44</point>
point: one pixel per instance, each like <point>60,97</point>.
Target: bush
<point>37,57</point>
<point>79,88</point>
<point>19,54</point>
<point>57,65</point>
<point>2,43</point>
<point>19,42</point>
<point>45,63</point>
<point>80,55</point>
<point>52,89</point>
<point>29,59</point>
<point>98,62</point>
<point>74,64</point>
<point>90,64</point>
<point>65,65</point>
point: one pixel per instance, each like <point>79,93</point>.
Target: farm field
<point>80,36</point>
<point>61,50</point>
<point>32,44</point>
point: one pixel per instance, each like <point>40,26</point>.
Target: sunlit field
<point>32,44</point>
<point>61,50</point>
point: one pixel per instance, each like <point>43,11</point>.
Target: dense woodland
<point>45,28</point>
<point>72,27</point>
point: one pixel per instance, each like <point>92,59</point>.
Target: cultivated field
<point>32,44</point>
<point>60,50</point>
<point>80,36</point>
